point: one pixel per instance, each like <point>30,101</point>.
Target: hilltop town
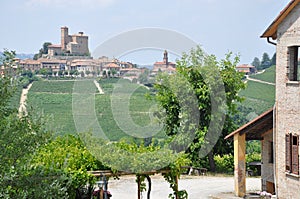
<point>72,58</point>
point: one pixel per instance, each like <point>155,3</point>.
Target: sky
<point>219,26</point>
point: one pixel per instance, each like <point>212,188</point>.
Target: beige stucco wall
<point>287,101</point>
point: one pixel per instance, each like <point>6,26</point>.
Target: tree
<point>113,72</point>
<point>104,74</point>
<point>144,77</point>
<point>256,63</point>
<point>43,50</point>
<point>82,74</point>
<point>265,61</point>
<point>20,137</point>
<point>193,67</point>
<point>273,60</point>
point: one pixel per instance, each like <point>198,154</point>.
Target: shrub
<point>225,163</point>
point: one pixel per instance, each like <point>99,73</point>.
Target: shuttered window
<point>288,158</point>
<point>292,154</point>
<point>295,156</point>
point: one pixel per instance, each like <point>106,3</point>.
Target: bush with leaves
<point>20,137</point>
<point>67,154</point>
<point>224,163</point>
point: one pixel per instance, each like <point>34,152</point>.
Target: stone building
<point>246,68</point>
<point>54,65</point>
<point>164,66</point>
<point>85,65</point>
<point>76,44</point>
<point>29,64</point>
<point>279,128</point>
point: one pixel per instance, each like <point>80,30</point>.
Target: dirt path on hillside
<point>260,81</point>
<point>98,87</point>
<point>22,108</point>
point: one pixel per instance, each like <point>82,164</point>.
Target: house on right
<point>285,29</point>
<point>279,127</point>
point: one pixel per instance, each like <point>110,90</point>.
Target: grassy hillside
<point>259,97</point>
<point>54,100</point>
<point>268,75</point>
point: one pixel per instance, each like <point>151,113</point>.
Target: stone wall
<point>288,103</point>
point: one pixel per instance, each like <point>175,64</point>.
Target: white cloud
<point>69,3</point>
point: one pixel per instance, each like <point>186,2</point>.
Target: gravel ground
<point>198,187</point>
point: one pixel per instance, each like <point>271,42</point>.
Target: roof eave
<point>272,29</point>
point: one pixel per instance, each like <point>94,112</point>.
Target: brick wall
<point>287,101</point>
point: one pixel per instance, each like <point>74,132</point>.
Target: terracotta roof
<point>79,35</point>
<point>163,63</point>
<point>130,69</point>
<point>29,61</point>
<point>257,127</point>
<point>111,65</point>
<point>54,46</point>
<point>159,62</point>
<point>245,66</point>
<point>52,61</point>
<point>83,62</point>
<point>272,29</point>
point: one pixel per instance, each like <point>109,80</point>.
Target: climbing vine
<point>174,174</point>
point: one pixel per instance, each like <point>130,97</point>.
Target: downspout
<point>271,42</point>
<point>274,148</point>
<point>274,131</point>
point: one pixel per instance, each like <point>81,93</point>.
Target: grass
<point>54,100</point>
<point>268,75</point>
<point>53,86</point>
<point>258,95</point>
<point>56,107</point>
<point>139,107</point>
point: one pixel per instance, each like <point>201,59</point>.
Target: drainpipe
<point>274,148</point>
<point>271,42</point>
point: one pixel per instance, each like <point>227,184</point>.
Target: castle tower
<point>165,60</point>
<point>64,37</point>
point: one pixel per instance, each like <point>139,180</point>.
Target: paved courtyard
<point>198,187</point>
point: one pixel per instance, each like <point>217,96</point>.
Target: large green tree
<point>273,60</point>
<point>265,61</point>
<point>21,138</point>
<point>256,62</point>
<point>206,78</point>
<point>43,50</point>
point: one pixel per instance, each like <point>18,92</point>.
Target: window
<point>293,66</point>
<point>271,157</point>
<point>292,154</point>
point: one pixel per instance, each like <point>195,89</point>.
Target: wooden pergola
<point>109,173</point>
<point>253,130</point>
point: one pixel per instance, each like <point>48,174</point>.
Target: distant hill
<point>149,66</point>
<point>22,55</point>
<point>25,56</point>
<point>268,75</point>
<point>259,97</point>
